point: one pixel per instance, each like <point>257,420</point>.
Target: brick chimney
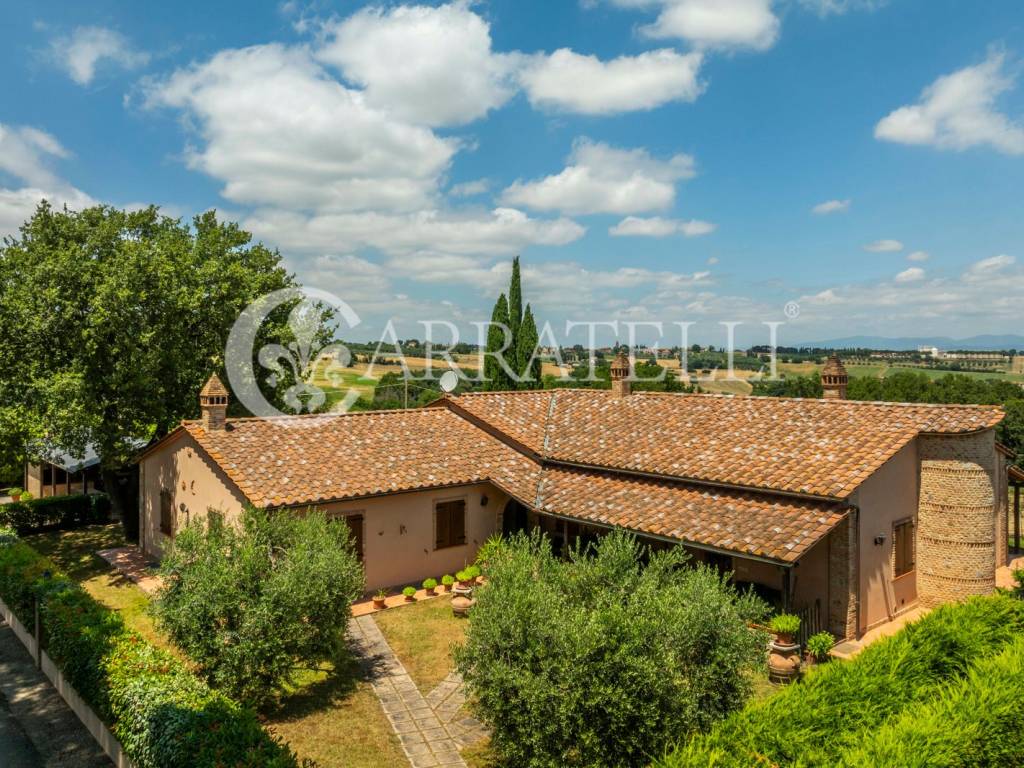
<point>213,401</point>
<point>834,379</point>
<point>620,375</point>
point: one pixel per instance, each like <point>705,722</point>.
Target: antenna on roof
<point>449,381</point>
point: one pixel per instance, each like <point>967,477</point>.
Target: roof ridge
<point>329,415</point>
<point>830,402</point>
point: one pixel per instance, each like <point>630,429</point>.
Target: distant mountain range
<point>982,343</point>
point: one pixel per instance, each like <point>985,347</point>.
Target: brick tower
<point>834,379</point>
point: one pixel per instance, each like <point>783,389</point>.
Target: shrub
<point>976,721</point>
<point>163,716</point>
<point>841,703</point>
<point>26,496</point>
<point>252,603</point>
<point>7,535</point>
<point>784,624</point>
<point>430,583</point>
<point>600,660</point>
<point>491,549</point>
<point>819,645</point>
<point>447,580</point>
<point>409,591</point>
<point>31,514</point>
<point>1018,585</point>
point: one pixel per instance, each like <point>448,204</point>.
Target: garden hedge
<point>837,704</point>
<point>56,512</point>
<point>977,721</point>
<point>162,714</point>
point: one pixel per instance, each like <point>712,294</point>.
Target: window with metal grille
<point>450,523</point>
<point>903,547</point>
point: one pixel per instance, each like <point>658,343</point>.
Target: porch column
<point>843,576</point>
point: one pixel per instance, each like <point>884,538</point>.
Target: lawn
<point>334,719</point>
<point>422,636</point>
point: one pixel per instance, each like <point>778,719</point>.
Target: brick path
<point>427,727</point>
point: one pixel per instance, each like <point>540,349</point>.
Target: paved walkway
<point>37,728</point>
<point>428,728</point>
<point>130,562</point>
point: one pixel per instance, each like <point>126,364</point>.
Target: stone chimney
<point>620,375</point>
<point>834,379</point>
<point>213,401</point>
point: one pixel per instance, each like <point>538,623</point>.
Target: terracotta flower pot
<point>378,603</point>
<point>15,497</point>
<point>431,591</point>
<point>446,587</point>
<point>410,598</point>
<point>783,661</point>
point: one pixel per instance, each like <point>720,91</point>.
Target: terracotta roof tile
<point>302,460</point>
<point>759,524</point>
<point>814,447</point>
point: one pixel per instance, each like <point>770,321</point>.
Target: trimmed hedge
<point>56,512</point>
<point>815,721</point>
<point>163,715</point>
<point>977,721</point>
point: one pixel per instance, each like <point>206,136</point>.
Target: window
<point>450,523</point>
<point>166,512</point>
<point>903,547</point>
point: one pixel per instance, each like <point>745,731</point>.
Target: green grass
<point>422,636</point>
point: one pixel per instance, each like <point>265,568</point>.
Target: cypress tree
<point>496,376</point>
<point>515,313</point>
<point>526,346</point>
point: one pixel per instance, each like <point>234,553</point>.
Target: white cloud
<point>81,52</point>
<point>988,268</point>
<point>572,82</point>
<point>306,141</point>
<point>918,256</point>
<point>911,275</point>
<point>839,7</point>
<point>426,65</point>
<point>25,154</point>
<point>603,179</point>
<point>831,206</point>
<point>501,231</point>
<point>656,226</point>
<point>470,188</point>
<point>958,111</point>
<point>713,23</point>
<point>884,246</point>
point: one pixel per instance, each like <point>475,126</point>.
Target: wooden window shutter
<point>442,526</point>
<point>458,524</point>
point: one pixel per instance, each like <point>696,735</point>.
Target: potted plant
<point>429,585</point>
<point>819,646</point>
<point>379,598</point>
<point>15,494</point>
<point>26,496</point>
<point>410,594</point>
<point>446,582</point>
<point>464,585</point>
<point>474,575</point>
<point>784,656</point>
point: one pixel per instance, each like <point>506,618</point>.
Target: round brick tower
<point>956,534</point>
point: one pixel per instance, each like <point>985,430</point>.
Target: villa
<point>850,513</point>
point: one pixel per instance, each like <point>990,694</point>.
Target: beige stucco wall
<point>398,530</point>
<point>196,482</point>
<point>810,578</point>
<point>885,498</point>
<point>399,535</point>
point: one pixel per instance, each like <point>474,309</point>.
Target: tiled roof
<point>764,525</point>
<point>814,447</point>
<point>303,460</point>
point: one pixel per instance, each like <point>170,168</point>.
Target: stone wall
<point>958,509</point>
<point>843,578</point>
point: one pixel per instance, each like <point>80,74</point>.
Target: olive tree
<point>252,603</point>
<point>608,657</point>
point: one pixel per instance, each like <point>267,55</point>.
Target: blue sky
<point>651,160</point>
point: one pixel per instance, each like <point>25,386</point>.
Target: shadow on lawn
<point>321,687</point>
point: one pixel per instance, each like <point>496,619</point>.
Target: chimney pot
<point>620,375</point>
<point>213,402</point>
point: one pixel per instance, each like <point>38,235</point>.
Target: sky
<point>838,166</point>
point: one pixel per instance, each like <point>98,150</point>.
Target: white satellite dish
<point>449,381</point>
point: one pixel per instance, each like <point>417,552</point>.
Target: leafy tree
<point>601,660</point>
<point>251,603</point>
<point>526,341</point>
<point>110,322</point>
<point>791,386</point>
<point>497,377</point>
